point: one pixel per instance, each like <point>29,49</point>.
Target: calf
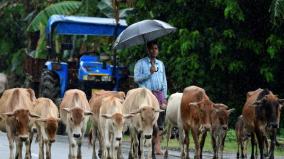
<point>46,125</point>
<point>219,126</point>
<point>111,122</point>
<point>261,114</point>
<point>173,118</point>
<point>242,136</point>
<point>145,106</point>
<point>15,106</point>
<point>74,110</point>
<point>95,104</point>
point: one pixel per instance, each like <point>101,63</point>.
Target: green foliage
<point>65,8</point>
<point>106,8</point>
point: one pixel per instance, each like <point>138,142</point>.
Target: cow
<point>74,112</point>
<point>3,83</point>
<point>242,136</point>
<point>261,114</point>
<point>111,123</point>
<point>145,106</point>
<point>15,106</point>
<point>95,104</point>
<point>173,118</point>
<point>219,126</point>
<point>195,113</point>
<point>46,125</point>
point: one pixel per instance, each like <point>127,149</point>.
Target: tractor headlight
<point>106,78</point>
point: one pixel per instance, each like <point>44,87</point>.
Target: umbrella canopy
<point>141,32</point>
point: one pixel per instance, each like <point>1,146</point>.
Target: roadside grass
<point>230,143</point>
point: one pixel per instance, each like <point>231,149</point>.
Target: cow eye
<point>71,119</point>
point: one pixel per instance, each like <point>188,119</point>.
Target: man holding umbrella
<point>149,72</point>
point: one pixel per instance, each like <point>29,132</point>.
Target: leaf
<point>106,7</point>
<point>277,10</point>
<point>66,8</point>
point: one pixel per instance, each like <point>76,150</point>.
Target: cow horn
<point>66,109</point>
<point>128,116</point>
<point>193,104</point>
<point>42,119</point>
<point>220,105</point>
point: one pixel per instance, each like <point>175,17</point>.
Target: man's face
<point>153,51</point>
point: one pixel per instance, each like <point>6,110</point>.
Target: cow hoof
<point>100,152</point>
<point>166,154</point>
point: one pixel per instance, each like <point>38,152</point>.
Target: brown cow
<point>261,113</point>
<point>15,106</point>
<point>195,110</point>
<point>145,106</point>
<point>95,104</point>
<point>46,125</point>
<point>219,126</point>
<point>74,110</point>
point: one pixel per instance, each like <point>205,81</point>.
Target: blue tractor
<point>88,72</point>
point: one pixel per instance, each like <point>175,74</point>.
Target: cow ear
<point>231,110</point>
<point>220,105</point>
<point>33,115</point>
<point>137,111</point>
<point>107,116</point>
<point>281,101</point>
<point>88,113</point>
<point>128,116</point>
<point>8,114</point>
<point>41,119</point>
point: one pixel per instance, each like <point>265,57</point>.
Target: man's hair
<point>151,43</point>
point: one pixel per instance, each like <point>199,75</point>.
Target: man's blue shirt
<point>144,78</point>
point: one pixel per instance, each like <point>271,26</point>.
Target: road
<point>60,150</point>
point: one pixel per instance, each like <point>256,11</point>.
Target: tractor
<point>88,71</point>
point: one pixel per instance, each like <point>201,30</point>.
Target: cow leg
<point>142,140</point>
<point>72,147</point>
<point>79,153</point>
<point>244,148</point>
<point>41,148</point>
<point>272,145</point>
<point>252,146</point>
<point>131,151</point>
<point>169,129</point>
<point>48,150</point>
<point>154,137</point>
<point>260,143</point>
<point>266,153</point>
<point>195,135</point>
<point>101,142</point>
<point>214,145</point>
<point>119,152</point>
<point>222,146</point>
<point>202,141</point>
<point>94,134</point>
<point>185,145</point>
<point>28,149</point>
<point>11,143</point>
<point>19,147</point>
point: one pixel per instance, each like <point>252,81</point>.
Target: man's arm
<point>139,76</point>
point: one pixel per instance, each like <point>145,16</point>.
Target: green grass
<point>230,143</point>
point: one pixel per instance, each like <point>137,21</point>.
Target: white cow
<point>145,106</point>
<point>74,110</point>
<point>46,125</point>
<point>173,118</point>
<point>111,122</point>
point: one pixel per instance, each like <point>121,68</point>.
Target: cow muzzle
<point>76,136</point>
<point>148,136</point>
<point>23,138</point>
<point>118,139</point>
